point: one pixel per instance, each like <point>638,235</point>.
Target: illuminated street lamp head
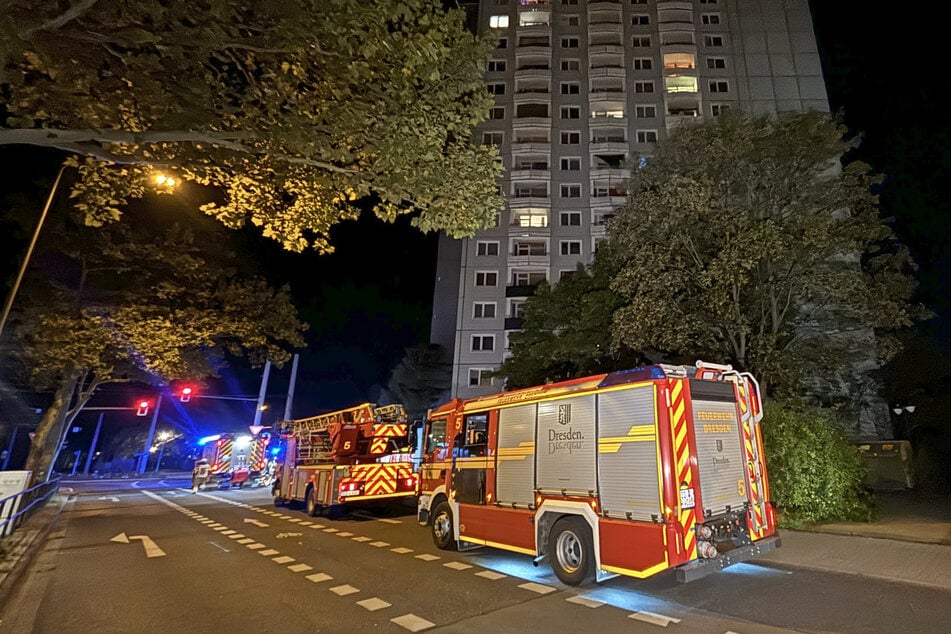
<point>163,180</point>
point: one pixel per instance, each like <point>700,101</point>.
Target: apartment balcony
<point>537,72</point>
<point>608,95</point>
<point>676,36</point>
<point>533,5</point>
<point>516,174</point>
<point>611,171</point>
<point>514,323</point>
<point>531,50</point>
<point>521,202</point>
<point>606,49</point>
<point>535,146</point>
<point>608,26</point>
<point>616,146</point>
<point>614,200</point>
<point>683,5</point>
<point>615,72</point>
<point>675,119</point>
<point>600,122</point>
<point>521,290</point>
<point>528,260</point>
<point>665,26</point>
<point>519,123</point>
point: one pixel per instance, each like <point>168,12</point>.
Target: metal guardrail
<point>25,503</point>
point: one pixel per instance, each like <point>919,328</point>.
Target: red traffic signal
<point>186,394</point>
<point>143,408</point>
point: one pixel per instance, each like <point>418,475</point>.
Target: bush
<point>815,474</point>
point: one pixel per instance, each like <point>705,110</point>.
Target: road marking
<point>373,604</point>
<point>283,559</point>
<point>490,574</point>
<point>219,546</point>
<point>284,517</point>
<point>380,544</point>
<point>255,546</point>
<point>457,565</point>
<point>111,498</point>
<point>317,526</point>
<point>246,540</point>
<point>540,588</point>
<point>297,520</point>
<point>654,619</point>
<point>151,549</point>
<point>305,523</point>
<point>318,577</point>
<point>401,550</point>
<point>331,530</point>
<point>412,623</point>
<point>362,539</point>
<point>585,601</point>
<point>389,521</point>
<point>283,535</point>
<point>344,590</point>
<point>344,534</point>
<point>236,536</point>
<point>428,557</point>
<point>300,568</point>
<point>269,552</point>
<point>229,532</point>
<point>221,529</point>
<point>257,523</point>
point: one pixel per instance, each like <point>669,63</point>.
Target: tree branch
<point>71,14</point>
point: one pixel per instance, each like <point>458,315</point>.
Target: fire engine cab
<point>626,473</point>
<point>358,454</point>
<point>235,459</point>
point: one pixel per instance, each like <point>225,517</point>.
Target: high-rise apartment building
<point>583,88</point>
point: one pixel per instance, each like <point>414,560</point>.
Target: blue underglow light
<point>753,570</point>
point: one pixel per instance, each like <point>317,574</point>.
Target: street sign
<point>255,429</point>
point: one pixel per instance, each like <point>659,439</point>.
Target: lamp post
<point>29,251</point>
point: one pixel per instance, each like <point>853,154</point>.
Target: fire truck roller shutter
<point>567,446</point>
<point>719,451</point>
<point>627,453</point>
<point>515,481</point>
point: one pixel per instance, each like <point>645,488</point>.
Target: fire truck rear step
<point>704,567</point>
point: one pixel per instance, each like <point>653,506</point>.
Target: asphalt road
<point>165,560</point>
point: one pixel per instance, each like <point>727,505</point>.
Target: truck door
<point>435,455</point>
<point>470,451</point>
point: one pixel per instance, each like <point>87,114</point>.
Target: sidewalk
<point>910,543</point>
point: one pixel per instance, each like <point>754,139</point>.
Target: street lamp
<point>899,410</point>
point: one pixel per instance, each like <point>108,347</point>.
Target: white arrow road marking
<point>257,523</point>
<point>151,549</point>
<point>111,498</point>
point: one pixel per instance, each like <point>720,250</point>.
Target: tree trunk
<point>47,435</point>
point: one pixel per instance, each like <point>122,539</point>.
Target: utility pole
<point>92,447</point>
<point>148,441</point>
<point>290,388</point>
<point>259,409</point>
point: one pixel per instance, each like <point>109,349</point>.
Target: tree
<point>296,112</point>
<point>746,241</point>
<point>422,379</point>
<point>126,303</point>
<point>566,332</point>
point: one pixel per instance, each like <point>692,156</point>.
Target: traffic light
<point>185,395</point>
<point>143,408</point>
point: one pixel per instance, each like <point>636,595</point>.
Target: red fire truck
<point>626,473</point>
<point>234,459</point>
<point>359,454</point>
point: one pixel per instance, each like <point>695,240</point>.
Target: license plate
<point>347,494</point>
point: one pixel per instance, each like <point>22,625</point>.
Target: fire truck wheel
<point>442,527</point>
<point>571,551</point>
<point>313,507</point>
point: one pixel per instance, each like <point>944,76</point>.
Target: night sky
<point>372,298</point>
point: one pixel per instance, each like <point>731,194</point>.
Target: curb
<point>26,542</point>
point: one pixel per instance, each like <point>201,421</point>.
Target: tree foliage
<point>815,474</point>
<point>747,241</point>
<point>130,303</point>
<point>294,111</point>
<point>566,332</point>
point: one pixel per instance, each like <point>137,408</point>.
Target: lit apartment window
<point>645,112</point>
<point>531,218</point>
<point>483,310</point>
<point>713,40</point>
<point>570,88</point>
<point>491,138</point>
<point>487,248</point>
<point>499,22</point>
<point>643,86</point>
<point>571,191</point>
<point>483,343</point>
<point>640,20</point>
<point>675,84</point>
<point>641,41</point>
<point>570,247</point>
<point>719,86</point>
<point>571,219</point>
<point>487,278</point>
<point>570,64</point>
<point>480,377</point>
<point>643,63</point>
<point>607,114</point>
<point>497,112</point>
<point>570,164</point>
<point>710,18</point>
<point>570,112</point>
<point>647,136</point>
<point>569,42</point>
<point>496,89</point>
<point>570,138</point>
<point>717,109</point>
<point>496,65</point>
